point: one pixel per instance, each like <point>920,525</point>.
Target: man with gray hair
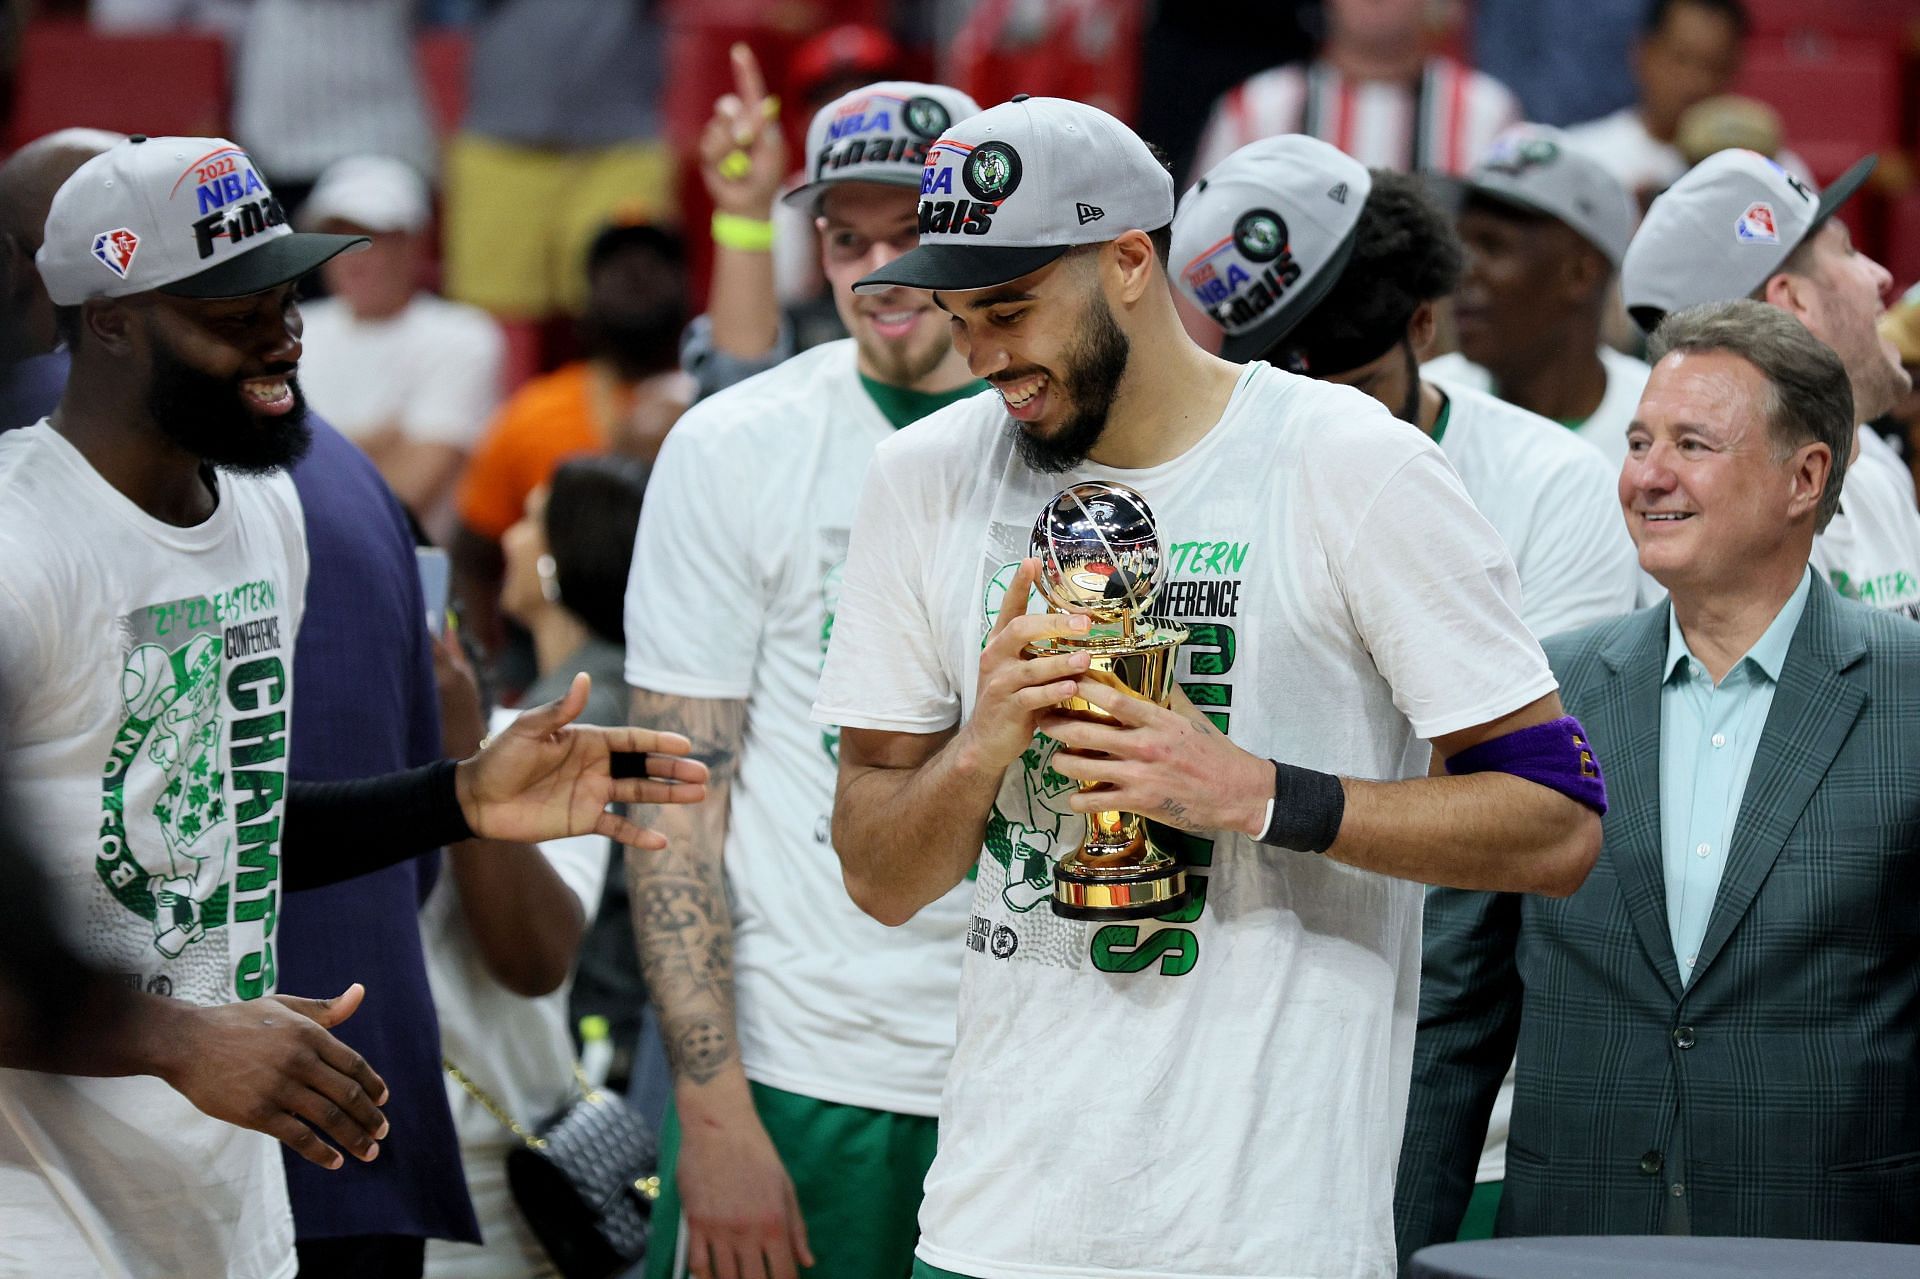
<point>1738,225</point>
<point>1684,1065</point>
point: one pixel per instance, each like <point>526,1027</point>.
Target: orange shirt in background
<point>545,422</point>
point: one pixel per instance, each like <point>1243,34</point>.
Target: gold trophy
<point>1099,554</point>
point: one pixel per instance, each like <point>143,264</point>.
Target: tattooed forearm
<point>681,921</point>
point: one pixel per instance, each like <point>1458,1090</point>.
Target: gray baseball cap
<point>1533,168</point>
<point>1015,187</point>
<point>1261,238</point>
<point>1721,230</point>
<point>187,216</point>
<point>877,133</point>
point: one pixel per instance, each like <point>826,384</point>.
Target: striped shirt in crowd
<point>1440,125</point>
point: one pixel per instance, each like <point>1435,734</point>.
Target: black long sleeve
<point>337,830</point>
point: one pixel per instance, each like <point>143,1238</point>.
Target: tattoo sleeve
<point>681,921</point>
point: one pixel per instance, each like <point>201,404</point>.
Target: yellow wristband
<point>749,235</point>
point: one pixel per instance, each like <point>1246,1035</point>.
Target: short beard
<point>1091,377</point>
<point>902,364</point>
<point>204,415</point>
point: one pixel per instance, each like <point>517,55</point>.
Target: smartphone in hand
<point>436,578</point>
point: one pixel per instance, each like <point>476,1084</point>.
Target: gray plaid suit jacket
<point>1781,1090</point>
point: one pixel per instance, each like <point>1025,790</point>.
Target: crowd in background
<point>550,284</point>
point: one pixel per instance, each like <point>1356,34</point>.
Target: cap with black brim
<point>1264,336</point>
<point>278,261</point>
<point>877,134</point>
<point>959,268</point>
<point>1723,230</point>
<point>1841,191</point>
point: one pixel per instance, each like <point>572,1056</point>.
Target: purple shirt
<point>365,704</point>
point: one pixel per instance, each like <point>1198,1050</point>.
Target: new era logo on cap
<point>1011,189</point>
<point>115,249</point>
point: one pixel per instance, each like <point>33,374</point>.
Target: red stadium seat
<point>442,54</point>
<point>157,84</point>
<point>526,356</point>
<point>1839,98</point>
<point>1880,18</point>
<point>1903,239</point>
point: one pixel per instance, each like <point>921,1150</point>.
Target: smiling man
<point>1738,225</point>
<point>1716,1033</point>
<point>153,577</point>
<point>1355,610</point>
<point>807,1042</point>
<point>1544,227</point>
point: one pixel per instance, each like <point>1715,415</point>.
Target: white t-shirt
<point>1870,551</point>
<point>1221,1094</point>
<point>149,679</point>
<point>736,577</point>
<point>433,370</point>
<point>1645,165</point>
<point>1554,501</point>
<point>1605,428</point>
<point>518,1050</point>
<point>1442,127</point>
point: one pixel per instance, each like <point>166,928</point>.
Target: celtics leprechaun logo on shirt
<point>192,789</point>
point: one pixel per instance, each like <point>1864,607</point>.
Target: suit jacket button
<point>1683,1037</point>
<point>1651,1163</point>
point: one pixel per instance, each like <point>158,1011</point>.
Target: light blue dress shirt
<point>1708,735</point>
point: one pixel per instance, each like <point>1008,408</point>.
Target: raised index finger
<point>747,80</point>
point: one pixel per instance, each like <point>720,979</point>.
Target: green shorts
<point>1481,1211</point>
<point>921,1270</point>
<point>858,1174</point>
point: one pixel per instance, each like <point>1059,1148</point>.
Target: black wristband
<point>1307,808</point>
<point>337,830</point>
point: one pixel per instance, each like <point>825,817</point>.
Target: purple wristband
<point>1554,755</point>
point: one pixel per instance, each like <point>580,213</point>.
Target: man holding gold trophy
<point>1201,1074</point>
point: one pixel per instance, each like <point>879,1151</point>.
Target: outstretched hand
<point>546,777</point>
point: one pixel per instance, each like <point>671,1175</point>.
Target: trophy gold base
<point>1117,893</point>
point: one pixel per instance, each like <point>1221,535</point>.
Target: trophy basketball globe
<point>1099,554</point>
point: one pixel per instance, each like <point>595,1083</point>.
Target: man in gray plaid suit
<point>1719,1033</point>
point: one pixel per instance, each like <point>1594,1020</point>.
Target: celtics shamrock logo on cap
<point>1260,235</point>
<point>925,117</point>
<point>1515,156</point>
<point>992,171</point>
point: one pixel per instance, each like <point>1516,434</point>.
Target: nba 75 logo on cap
<point>115,249</point>
<point>1756,225</point>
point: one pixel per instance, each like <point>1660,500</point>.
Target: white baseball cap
<point>1261,238</point>
<point>1533,168</point>
<point>377,192</point>
<point>877,133</point>
<point>187,216</point>
<point>1013,188</point>
<point>1721,231</point>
